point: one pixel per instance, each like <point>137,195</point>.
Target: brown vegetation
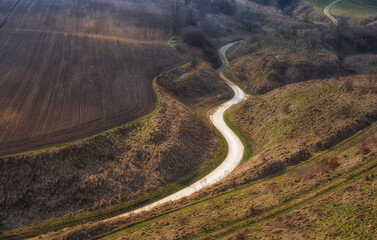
<point>293,209</point>
<point>197,39</point>
<point>200,86</point>
<point>316,169</point>
<point>117,166</point>
<point>266,62</point>
<point>71,69</point>
<point>321,114</point>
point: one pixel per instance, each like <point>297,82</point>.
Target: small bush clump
<point>348,85</point>
<point>239,236</point>
<point>316,169</point>
<point>197,39</point>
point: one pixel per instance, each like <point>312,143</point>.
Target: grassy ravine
<point>248,153</point>
<point>55,224</point>
<point>292,198</point>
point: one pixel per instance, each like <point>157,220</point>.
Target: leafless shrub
<point>337,76</point>
<point>304,174</point>
<point>362,150</point>
<point>196,38</point>
<point>180,47</point>
<point>371,86</point>
<point>327,165</point>
<point>345,110</point>
<point>242,76</point>
<point>252,210</point>
<point>194,61</point>
<point>369,177</point>
<point>364,90</point>
<point>157,72</point>
<point>286,108</point>
<point>182,220</point>
<point>348,85</point>
<point>239,236</point>
<point>318,168</point>
<point>191,17</point>
<point>112,156</point>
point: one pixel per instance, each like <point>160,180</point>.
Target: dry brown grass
<point>115,167</point>
<point>269,61</point>
<point>202,86</point>
<point>365,147</point>
<point>226,210</point>
<point>291,124</point>
<point>316,169</point>
<point>238,236</point>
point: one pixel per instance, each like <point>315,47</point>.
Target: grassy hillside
<point>291,124</point>
<point>196,88</point>
<point>334,201</point>
<point>265,62</point>
<point>323,163</point>
<point>117,170</point>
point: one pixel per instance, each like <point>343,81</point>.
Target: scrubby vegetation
<point>121,165</point>
<point>294,132</point>
<point>338,202</point>
<point>300,119</point>
<point>308,127</point>
<point>196,88</point>
<point>197,39</point>
<point>265,62</point>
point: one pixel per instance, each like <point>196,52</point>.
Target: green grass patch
<point>246,143</point>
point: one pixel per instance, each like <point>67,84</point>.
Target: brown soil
<point>116,166</point>
<point>70,69</point>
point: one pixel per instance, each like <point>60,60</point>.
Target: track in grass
<point>327,13</point>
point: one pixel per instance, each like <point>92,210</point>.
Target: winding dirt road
<point>235,147</point>
<point>327,13</point>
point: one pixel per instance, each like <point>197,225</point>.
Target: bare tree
<point>194,60</point>
<point>157,72</point>
<point>176,17</point>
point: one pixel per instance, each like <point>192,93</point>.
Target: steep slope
<point>111,169</point>
<point>293,123</point>
<point>265,62</point>
<point>301,201</point>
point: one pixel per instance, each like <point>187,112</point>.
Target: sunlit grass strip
<point>246,143</point>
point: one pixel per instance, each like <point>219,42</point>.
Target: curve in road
<point>235,146</point>
<point>327,13</point>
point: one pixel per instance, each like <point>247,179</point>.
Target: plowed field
<point>72,68</point>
